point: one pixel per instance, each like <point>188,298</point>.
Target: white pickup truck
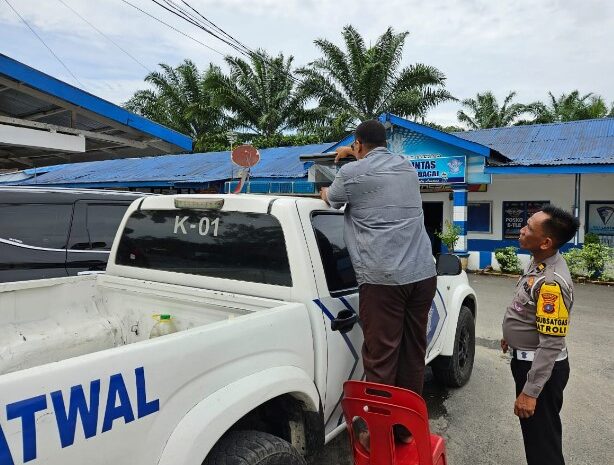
<point>264,298</point>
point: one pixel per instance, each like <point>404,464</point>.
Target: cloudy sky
<point>530,46</point>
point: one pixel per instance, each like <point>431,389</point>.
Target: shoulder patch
<point>552,315</point>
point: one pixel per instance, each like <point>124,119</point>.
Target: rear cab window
<point>221,244</point>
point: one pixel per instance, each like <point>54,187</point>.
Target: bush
<point>591,238</point>
<point>593,261</point>
<point>575,262</point>
<point>449,236</point>
<point>508,260</point>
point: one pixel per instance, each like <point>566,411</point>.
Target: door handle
<point>345,321</point>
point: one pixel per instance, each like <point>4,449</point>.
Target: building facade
<point>486,182</point>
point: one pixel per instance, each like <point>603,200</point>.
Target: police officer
<point>534,330</point>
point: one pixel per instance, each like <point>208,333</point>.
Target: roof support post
<point>576,206</point>
<point>459,216</point>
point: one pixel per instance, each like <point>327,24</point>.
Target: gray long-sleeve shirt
<point>384,223</point>
<point>520,325</point>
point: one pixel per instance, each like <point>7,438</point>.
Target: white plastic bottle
<point>164,325</point>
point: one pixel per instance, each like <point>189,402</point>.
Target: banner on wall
<point>436,169</point>
<point>600,218</point>
<point>516,214</point>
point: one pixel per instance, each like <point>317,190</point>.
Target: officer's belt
<point>529,355</point>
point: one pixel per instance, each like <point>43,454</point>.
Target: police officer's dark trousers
<point>542,433</point>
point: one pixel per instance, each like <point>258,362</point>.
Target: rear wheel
<point>456,370</point>
<point>253,448</point>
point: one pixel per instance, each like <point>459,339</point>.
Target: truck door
<point>338,301</point>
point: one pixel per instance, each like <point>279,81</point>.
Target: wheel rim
<point>463,347</point>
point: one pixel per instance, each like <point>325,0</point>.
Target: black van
<point>53,232</point>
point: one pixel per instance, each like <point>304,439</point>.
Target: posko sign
<point>435,169</point>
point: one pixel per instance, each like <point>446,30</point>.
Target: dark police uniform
<point>534,327</point>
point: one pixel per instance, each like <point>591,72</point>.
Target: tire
<point>456,370</point>
<point>253,448</point>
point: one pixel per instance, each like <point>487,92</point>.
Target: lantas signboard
<point>437,169</point>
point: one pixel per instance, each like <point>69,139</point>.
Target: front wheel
<point>253,448</point>
<point>456,370</point>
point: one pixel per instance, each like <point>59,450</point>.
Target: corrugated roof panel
<point>278,162</point>
<point>573,143</point>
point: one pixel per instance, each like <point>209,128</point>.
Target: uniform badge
<point>528,284</point>
<point>541,267</point>
<point>549,302</point>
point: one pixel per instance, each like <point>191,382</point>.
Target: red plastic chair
<point>382,407</point>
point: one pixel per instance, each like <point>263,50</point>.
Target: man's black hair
<point>561,225</point>
<point>371,133</point>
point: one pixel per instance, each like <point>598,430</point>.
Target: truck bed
<point>55,319</point>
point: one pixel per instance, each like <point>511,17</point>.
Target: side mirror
<point>448,265</point>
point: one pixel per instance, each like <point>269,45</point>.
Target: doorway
<point>433,221</point>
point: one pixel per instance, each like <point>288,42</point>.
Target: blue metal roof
<point>47,84</point>
<point>176,170</point>
<point>585,142</point>
<point>451,139</point>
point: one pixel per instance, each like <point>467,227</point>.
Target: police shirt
<point>537,319</point>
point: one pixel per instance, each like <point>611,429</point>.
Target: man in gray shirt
<point>534,329</point>
<point>391,254</point>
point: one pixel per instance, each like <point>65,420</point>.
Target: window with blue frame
<point>479,217</point>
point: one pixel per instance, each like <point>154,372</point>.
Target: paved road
<point>478,421</point>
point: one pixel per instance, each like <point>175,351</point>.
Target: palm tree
<point>259,97</point>
<point>182,100</point>
<point>484,111</point>
<point>570,107</point>
<point>361,82</point>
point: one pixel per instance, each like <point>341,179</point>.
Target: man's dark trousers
<point>542,433</point>
<point>394,320</point>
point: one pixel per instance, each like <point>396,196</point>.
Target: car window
<point>102,223</point>
<point>38,225</point>
<point>95,224</point>
<point>338,269</point>
<point>232,245</point>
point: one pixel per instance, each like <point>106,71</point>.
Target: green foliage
<point>485,112</point>
<point>591,238</point>
<point>575,262</point>
<point>260,96</point>
<point>439,127</point>
<point>219,143</point>
<point>594,261</point>
<point>181,99</point>
<point>360,82</point>
<point>261,99</point>
<point>595,257</point>
<point>508,259</point>
<point>449,236</point>
<point>569,107</point>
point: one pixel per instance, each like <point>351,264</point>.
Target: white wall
<point>558,189</point>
